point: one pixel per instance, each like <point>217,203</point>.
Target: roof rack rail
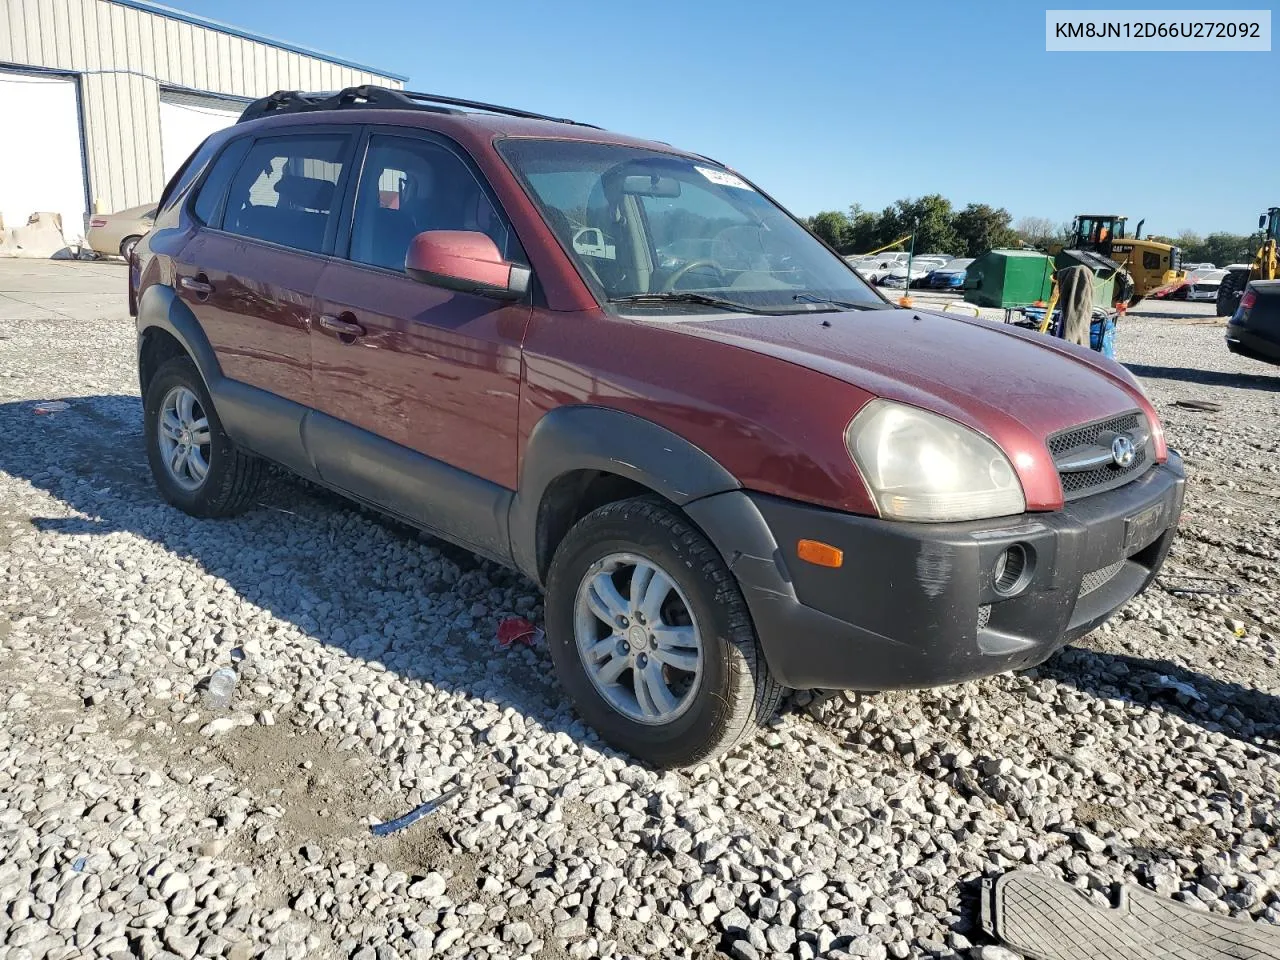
<point>369,96</point>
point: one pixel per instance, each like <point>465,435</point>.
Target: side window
<point>209,199</point>
<point>284,191</point>
<point>409,186</point>
<point>1150,261</point>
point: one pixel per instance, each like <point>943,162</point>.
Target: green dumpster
<point>1009,278</point>
<point>1105,273</point>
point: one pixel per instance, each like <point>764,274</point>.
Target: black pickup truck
<point>1254,329</point>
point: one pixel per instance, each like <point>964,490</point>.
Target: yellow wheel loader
<point>1152,265</point>
<point>1265,266</point>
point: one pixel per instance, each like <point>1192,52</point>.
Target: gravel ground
<point>136,821</point>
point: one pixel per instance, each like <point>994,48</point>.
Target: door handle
<point>347,330</point>
<point>199,285</point>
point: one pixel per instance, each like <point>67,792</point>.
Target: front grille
<point>984,615</point>
<point>1092,481</point>
<point>1068,440</point>
<point>1099,578</point>
<point>1108,476</point>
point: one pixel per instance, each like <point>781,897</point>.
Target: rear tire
<point>700,711</point>
<point>196,466</point>
<point>127,245</point>
<point>1229,292</point>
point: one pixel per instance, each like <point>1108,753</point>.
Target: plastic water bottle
<point>222,687</point>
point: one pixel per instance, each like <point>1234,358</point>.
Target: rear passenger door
<point>269,208</point>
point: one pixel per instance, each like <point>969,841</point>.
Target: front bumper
<point>914,604</point>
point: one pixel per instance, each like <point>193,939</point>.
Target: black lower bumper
<point>1248,343</point>
<point>916,605</point>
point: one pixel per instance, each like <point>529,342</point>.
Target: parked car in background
<point>874,269</point>
<point>918,267</point>
<point>400,303</point>
<point>1204,284</point>
<point>1254,329</point>
<point>949,276</point>
<point>115,234</point>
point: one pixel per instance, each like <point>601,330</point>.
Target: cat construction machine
<point>1153,266</point>
<point>1265,266</point>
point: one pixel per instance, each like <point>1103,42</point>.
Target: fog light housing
<point>1012,571</point>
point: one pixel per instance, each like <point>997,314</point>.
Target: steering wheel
<point>689,267</point>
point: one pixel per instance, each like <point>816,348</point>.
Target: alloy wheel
<point>183,434</point>
<point>637,638</point>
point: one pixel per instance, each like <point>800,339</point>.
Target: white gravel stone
<point>430,887</point>
<point>217,726</point>
<point>994,952</point>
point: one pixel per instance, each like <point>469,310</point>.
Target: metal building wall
<point>124,56</point>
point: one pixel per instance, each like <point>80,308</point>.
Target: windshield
<point>649,225</point>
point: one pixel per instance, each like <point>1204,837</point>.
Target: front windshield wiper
<point>845,304</point>
<point>678,296</point>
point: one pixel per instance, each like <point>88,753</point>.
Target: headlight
<point>920,466</point>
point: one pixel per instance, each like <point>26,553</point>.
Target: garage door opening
<point>42,161</point>
<point>186,119</point>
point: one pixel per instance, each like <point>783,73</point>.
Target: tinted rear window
<point>286,190</point>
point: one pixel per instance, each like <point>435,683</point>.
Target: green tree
<point>982,227</point>
<point>833,227</point>
<point>1192,245</point>
<point>1225,248</point>
<point>864,229</point>
<point>930,218</point>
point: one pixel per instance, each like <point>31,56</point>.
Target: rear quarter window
<point>186,175</point>
<point>208,205</point>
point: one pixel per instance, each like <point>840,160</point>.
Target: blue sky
<point>828,102</point>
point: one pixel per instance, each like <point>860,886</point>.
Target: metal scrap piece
<point>414,815</point>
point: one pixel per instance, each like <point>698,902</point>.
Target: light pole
<point>905,299</point>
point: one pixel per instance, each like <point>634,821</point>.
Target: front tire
<point>196,466</point>
<point>651,637</point>
<point>1229,292</point>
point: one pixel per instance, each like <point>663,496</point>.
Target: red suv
<point>623,369</point>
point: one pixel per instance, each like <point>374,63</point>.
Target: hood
<point>1016,387</point>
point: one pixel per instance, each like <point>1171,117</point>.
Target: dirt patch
<point>322,791</point>
<point>425,847</point>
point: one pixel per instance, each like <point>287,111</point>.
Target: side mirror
<point>1262,222</point>
<point>465,260</point>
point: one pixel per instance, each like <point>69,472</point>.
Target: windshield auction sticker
<point>1186,30</point>
<point>723,177</point>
